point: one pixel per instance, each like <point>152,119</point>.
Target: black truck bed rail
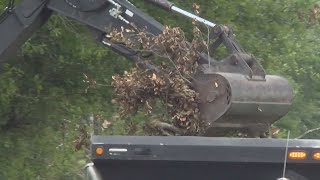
<point>178,157</point>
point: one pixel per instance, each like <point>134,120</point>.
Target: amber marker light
<point>99,151</point>
<point>297,155</point>
<point>316,156</point>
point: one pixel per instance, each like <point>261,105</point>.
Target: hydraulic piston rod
<point>169,6</point>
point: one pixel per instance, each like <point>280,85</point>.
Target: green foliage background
<point>42,93</point>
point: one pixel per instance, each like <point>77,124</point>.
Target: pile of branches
<point>168,83</point>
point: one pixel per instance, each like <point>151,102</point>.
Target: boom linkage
<point>101,16</point>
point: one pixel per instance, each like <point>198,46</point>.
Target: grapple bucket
<point>234,101</point>
<point>235,92</point>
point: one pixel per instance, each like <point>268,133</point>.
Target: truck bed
<point>180,157</point>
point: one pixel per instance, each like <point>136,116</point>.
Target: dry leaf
<point>106,124</point>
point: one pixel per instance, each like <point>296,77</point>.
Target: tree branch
<point>308,132</point>
<point>166,127</point>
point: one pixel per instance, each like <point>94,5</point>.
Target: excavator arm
<point>246,97</point>
<point>17,24</point>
